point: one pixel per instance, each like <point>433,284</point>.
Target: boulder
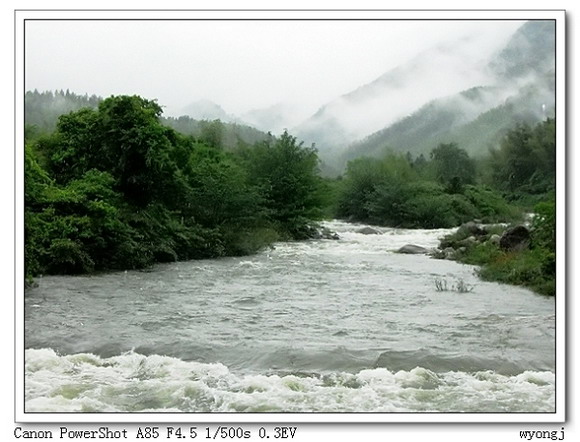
<point>322,233</point>
<point>437,253</point>
<point>449,253</point>
<point>515,239</point>
<point>412,249</point>
<point>369,231</point>
<point>326,233</point>
<point>494,239</point>
<point>467,242</point>
<point>471,228</point>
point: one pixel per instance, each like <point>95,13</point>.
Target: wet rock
<point>467,242</point>
<point>326,233</point>
<point>437,254</point>
<point>412,249</point>
<point>323,233</point>
<point>449,253</point>
<point>368,231</point>
<point>471,228</point>
<point>515,239</point>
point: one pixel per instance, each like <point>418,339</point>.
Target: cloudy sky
<point>241,65</point>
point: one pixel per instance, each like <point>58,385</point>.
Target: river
<point>314,326</point>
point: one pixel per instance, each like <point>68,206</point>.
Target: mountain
<point>275,118</point>
<point>438,72</point>
<point>522,90</point>
<point>531,50</point>
<point>208,110</point>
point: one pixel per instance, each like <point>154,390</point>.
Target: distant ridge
<point>523,92</point>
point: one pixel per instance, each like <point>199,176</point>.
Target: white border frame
<point>558,416</point>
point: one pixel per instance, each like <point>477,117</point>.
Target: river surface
<point>315,326</point>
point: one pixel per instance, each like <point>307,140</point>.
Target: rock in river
<point>369,231</point>
<point>412,249</point>
<point>471,228</point>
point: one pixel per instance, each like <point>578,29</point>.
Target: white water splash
<point>137,383</point>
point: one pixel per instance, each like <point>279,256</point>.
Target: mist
<point>246,67</point>
<point>438,72</point>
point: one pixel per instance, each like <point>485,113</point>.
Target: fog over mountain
<point>458,79</point>
<point>438,72</point>
<point>274,118</point>
<point>519,87</point>
<point>441,89</point>
<point>208,110</point>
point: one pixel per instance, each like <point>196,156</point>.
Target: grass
<point>528,268</point>
<point>460,286</point>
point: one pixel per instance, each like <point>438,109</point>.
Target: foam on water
<point>135,383</point>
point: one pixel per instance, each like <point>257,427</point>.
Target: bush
<point>481,254</point>
<point>491,206</point>
<point>68,256</point>
<point>534,268</point>
<point>520,268</point>
<point>544,226</point>
<point>390,192</point>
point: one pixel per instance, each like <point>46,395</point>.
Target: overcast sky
<point>241,65</point>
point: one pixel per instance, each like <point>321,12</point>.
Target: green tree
<point>212,133</point>
<point>525,162</point>
<point>373,190</point>
<point>287,174</point>
<point>123,137</point>
<point>452,166</point>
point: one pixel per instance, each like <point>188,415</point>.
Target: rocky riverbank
<point>509,254</point>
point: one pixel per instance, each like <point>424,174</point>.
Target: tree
<point>373,190</point>
<point>123,137</point>
<point>212,133</point>
<point>286,173</point>
<point>453,167</point>
<point>114,188</point>
<point>526,159</point>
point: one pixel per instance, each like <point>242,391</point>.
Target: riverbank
<point>521,255</point>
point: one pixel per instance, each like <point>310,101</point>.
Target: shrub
<point>491,206</point>
<point>520,268</point>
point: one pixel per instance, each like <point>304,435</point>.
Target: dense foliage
<point>398,192</point>
<point>114,188</point>
<point>525,163</point>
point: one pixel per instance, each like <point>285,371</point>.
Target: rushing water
<point>316,326</point>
